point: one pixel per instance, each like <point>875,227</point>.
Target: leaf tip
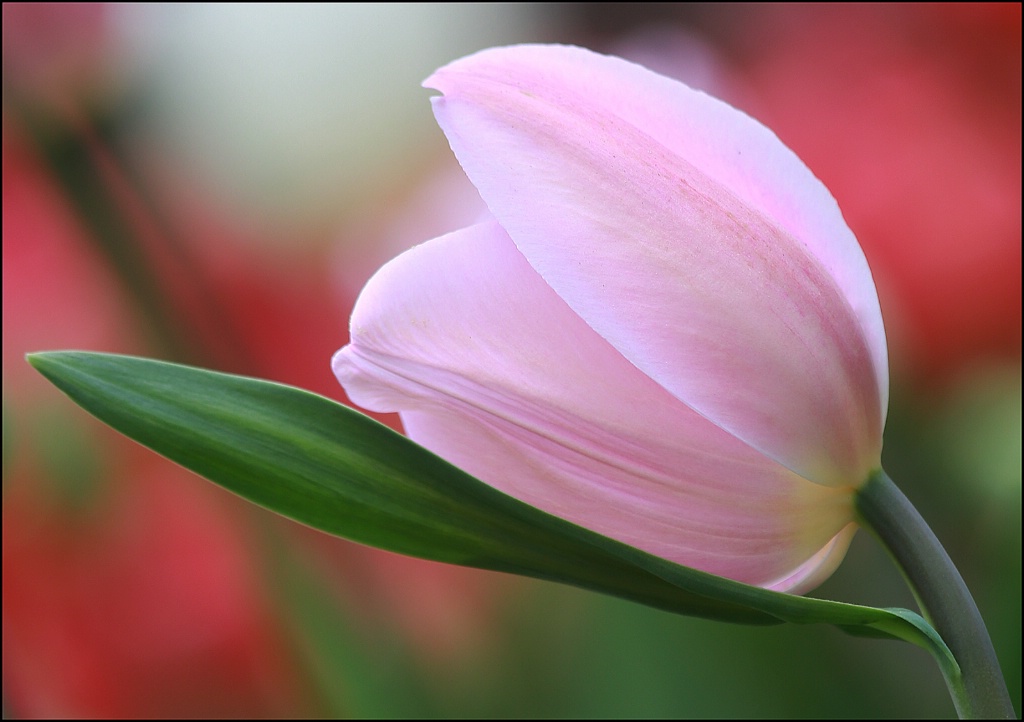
<point>45,361</point>
<point>36,358</point>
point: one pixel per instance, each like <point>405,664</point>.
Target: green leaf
<point>328,466</point>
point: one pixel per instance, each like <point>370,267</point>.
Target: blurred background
<point>212,184</point>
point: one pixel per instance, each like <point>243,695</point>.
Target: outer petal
<point>493,371</point>
<point>689,237</point>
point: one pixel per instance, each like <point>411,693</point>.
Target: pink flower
<point>665,333</point>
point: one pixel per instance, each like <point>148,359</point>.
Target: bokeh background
<point>212,184</point>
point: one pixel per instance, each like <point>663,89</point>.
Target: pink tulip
<point>665,332</point>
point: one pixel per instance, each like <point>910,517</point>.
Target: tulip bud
<point>665,332</point>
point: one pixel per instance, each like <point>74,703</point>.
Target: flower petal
<point>689,237</point>
<point>494,372</point>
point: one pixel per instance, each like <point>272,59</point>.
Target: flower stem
<point>979,688</point>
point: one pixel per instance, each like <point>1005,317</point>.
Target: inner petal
<point>493,371</point>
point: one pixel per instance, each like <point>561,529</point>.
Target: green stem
<point>979,690</point>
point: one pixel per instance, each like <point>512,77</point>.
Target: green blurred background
<point>213,184</point>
